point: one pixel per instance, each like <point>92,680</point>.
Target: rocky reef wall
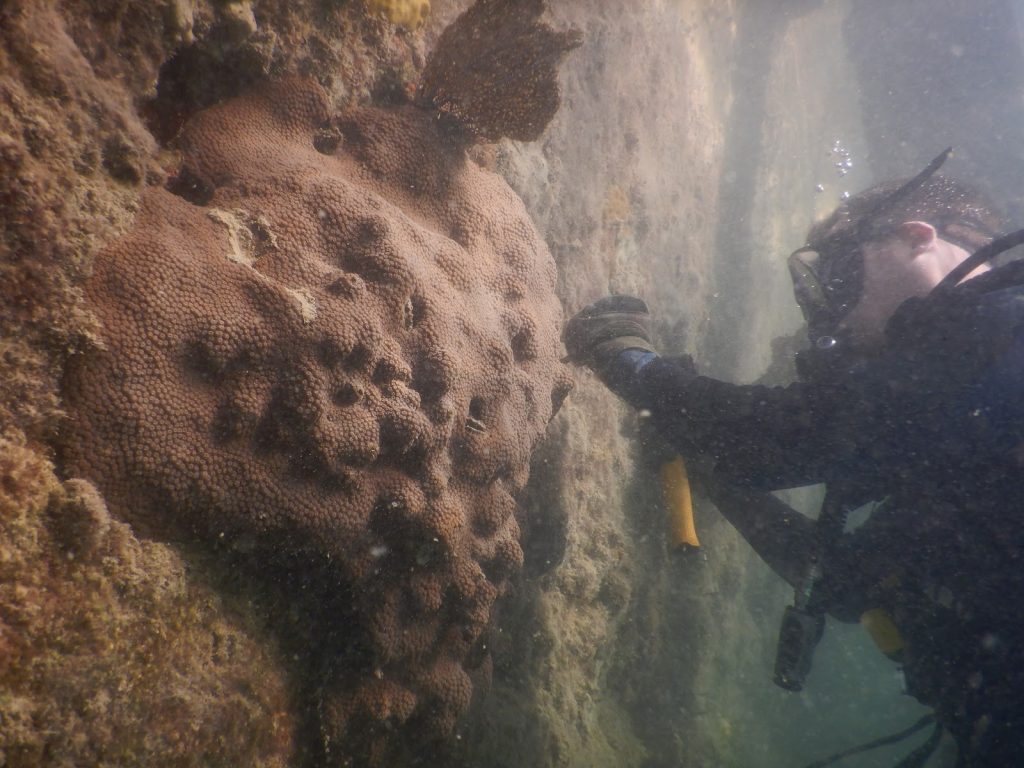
<point>681,166</point>
<point>690,191</point>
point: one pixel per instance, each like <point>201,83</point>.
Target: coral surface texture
<point>340,337</point>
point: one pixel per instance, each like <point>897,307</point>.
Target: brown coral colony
<point>349,346</point>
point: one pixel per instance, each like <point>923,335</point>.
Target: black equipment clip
<point>803,623</point>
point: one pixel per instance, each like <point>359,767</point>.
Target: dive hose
<point>915,759</point>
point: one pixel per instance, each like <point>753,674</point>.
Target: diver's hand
<point>599,332</point>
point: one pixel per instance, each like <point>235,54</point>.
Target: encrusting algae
<point>183,680</point>
<point>405,13</point>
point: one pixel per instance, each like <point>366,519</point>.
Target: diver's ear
<point>919,235</point>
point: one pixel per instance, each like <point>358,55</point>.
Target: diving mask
<point>828,275</point>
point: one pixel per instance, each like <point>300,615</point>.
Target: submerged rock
<point>336,353</point>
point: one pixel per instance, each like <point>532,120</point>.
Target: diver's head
<point>909,262</point>
<point>883,246</point>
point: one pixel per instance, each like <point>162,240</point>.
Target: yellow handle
<point>883,631</point>
<point>676,486</point>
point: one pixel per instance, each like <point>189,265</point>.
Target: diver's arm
<point>760,437</point>
<point>781,536</point>
<point>785,540</point>
<point>757,436</point>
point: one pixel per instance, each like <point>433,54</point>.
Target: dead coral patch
<point>72,157</point>
<point>172,685</point>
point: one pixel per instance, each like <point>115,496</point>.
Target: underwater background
<point>180,582</point>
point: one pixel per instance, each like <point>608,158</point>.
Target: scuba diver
<point>911,400</point>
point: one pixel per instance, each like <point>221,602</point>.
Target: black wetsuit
<point>933,429</point>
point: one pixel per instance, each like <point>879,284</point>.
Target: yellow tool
<point>883,631</point>
<point>675,484</point>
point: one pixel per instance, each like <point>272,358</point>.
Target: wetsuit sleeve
<point>782,537</point>
<point>759,437</point>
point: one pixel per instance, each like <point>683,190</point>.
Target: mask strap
<point>924,175</point>
<point>910,187</point>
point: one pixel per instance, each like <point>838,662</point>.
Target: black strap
<point>981,256</point>
<point>915,759</point>
<point>904,191</point>
<point>919,756</point>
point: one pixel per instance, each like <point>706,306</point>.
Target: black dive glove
<point>596,335</point>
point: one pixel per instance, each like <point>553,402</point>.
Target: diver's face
<point>909,263</point>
